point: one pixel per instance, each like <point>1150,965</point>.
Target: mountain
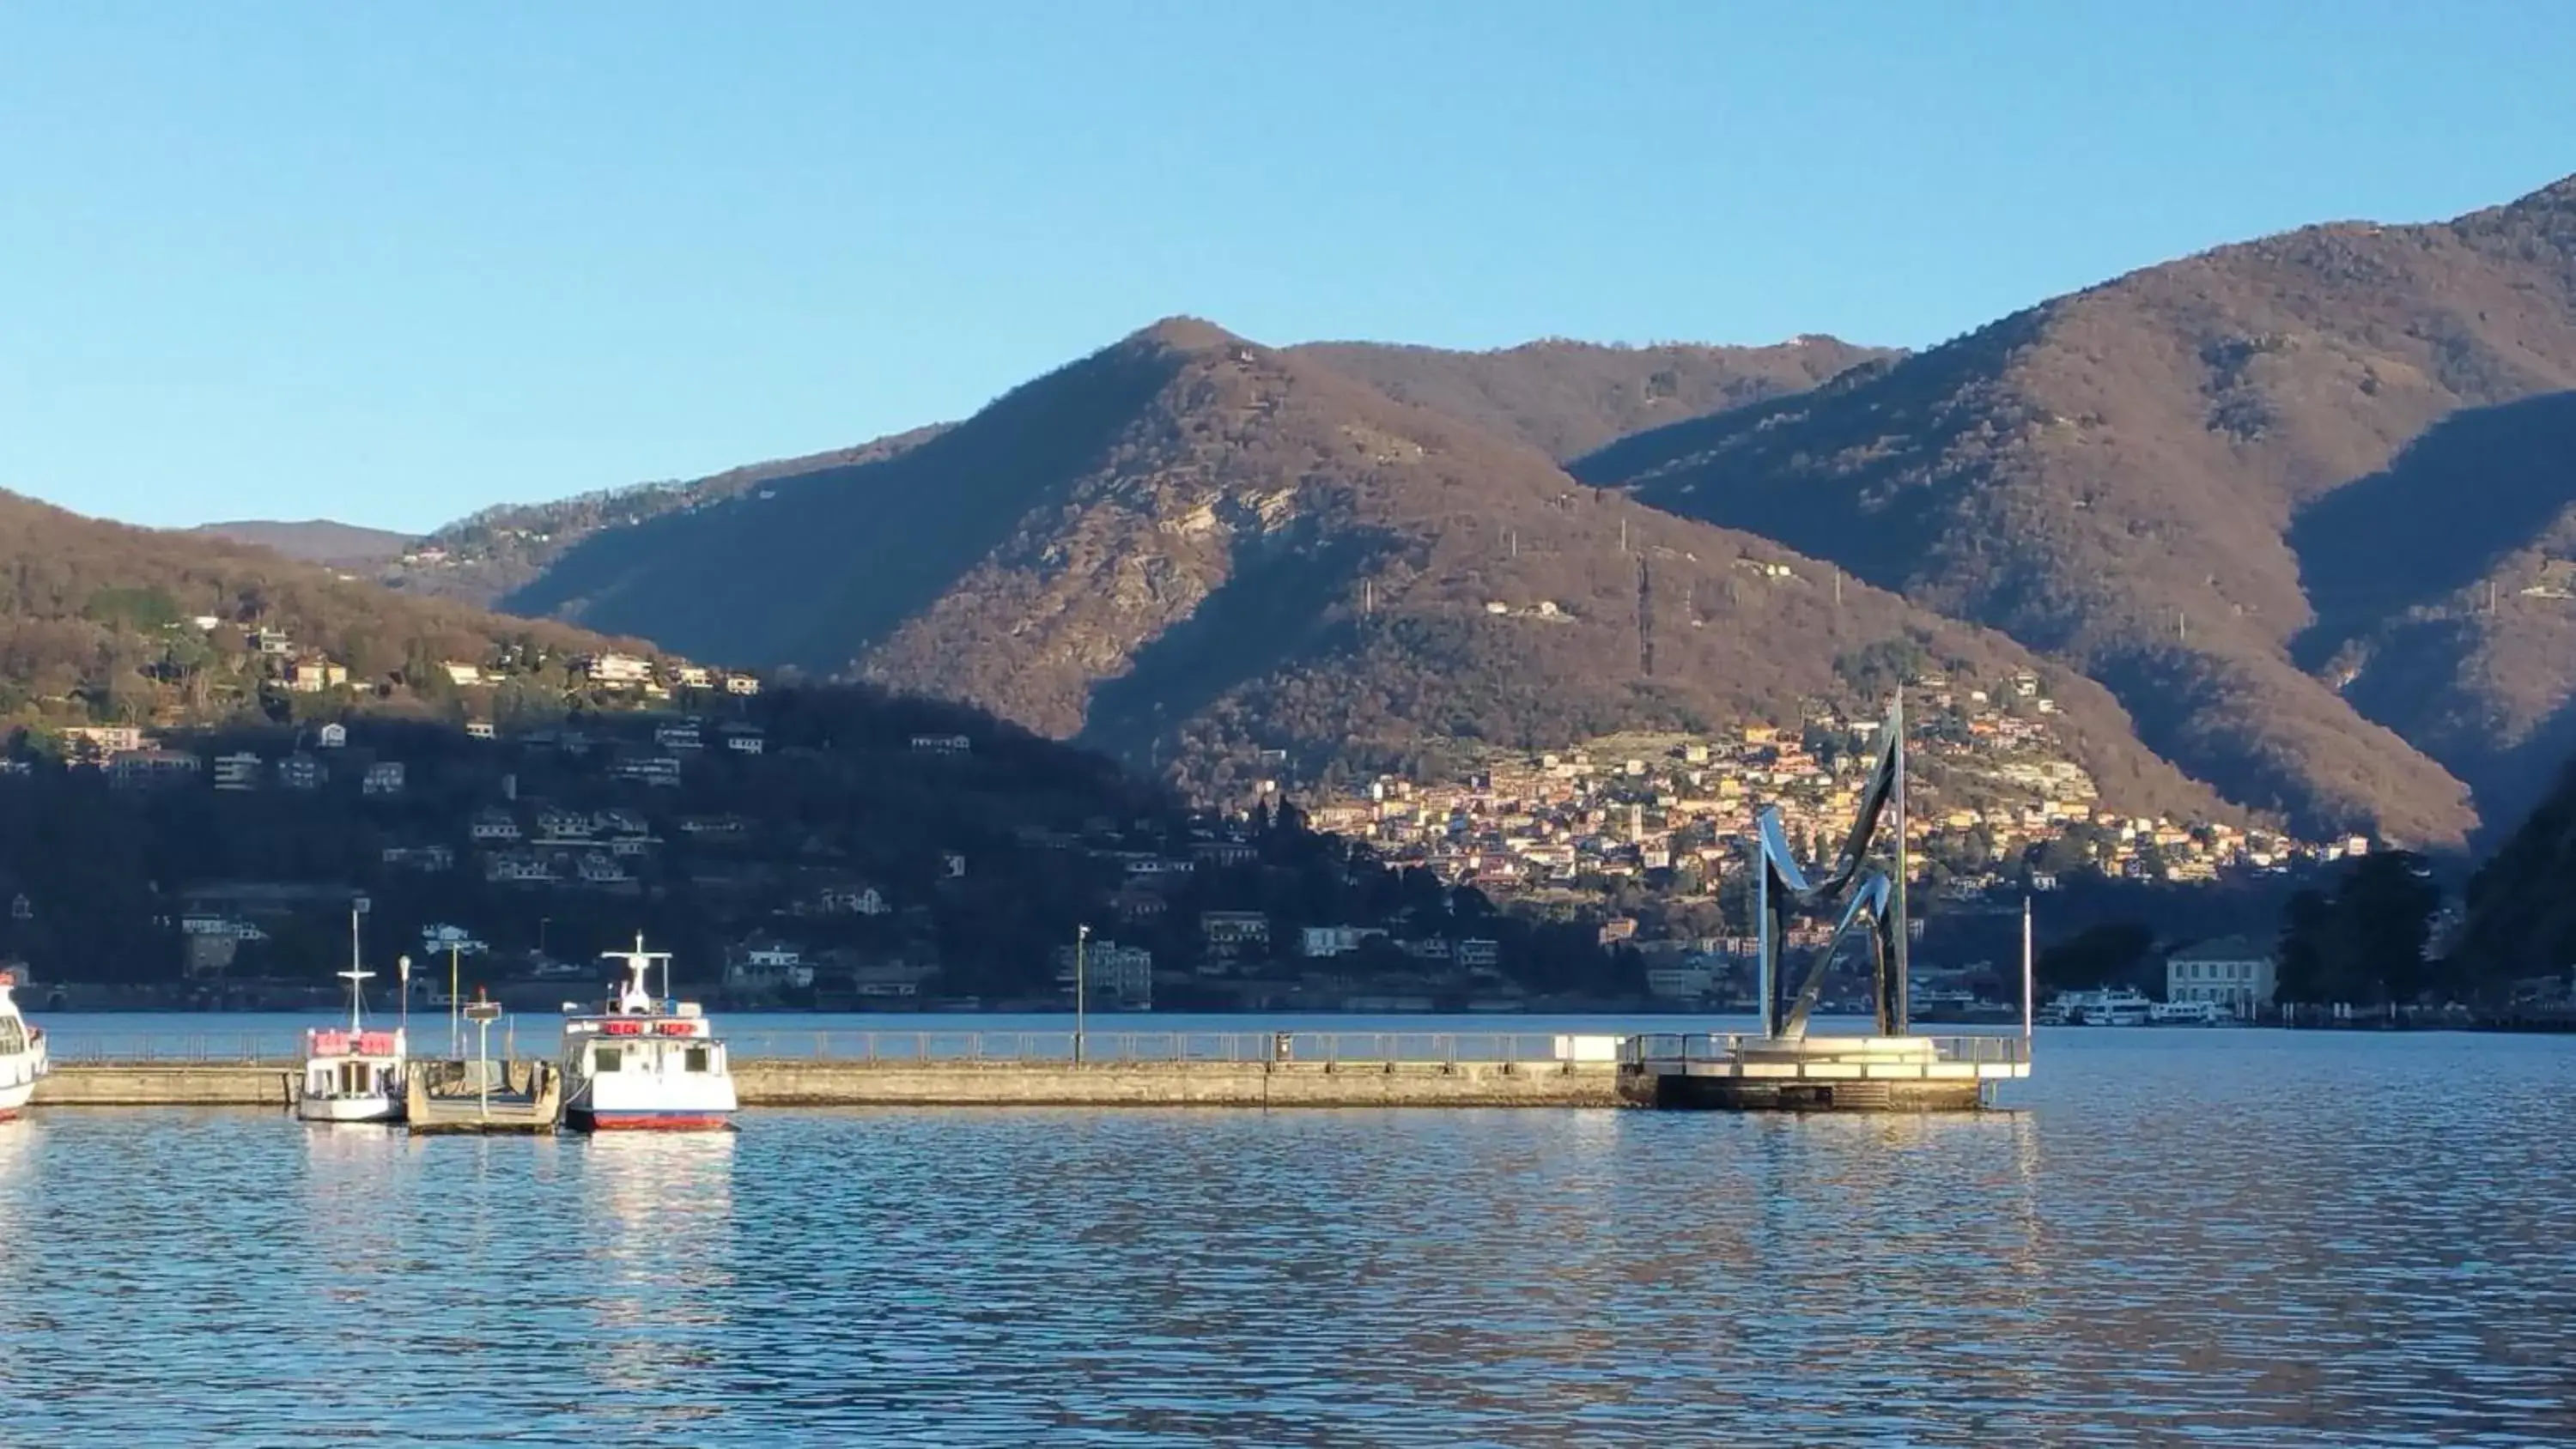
<point>1568,398</point>
<point>317,540</point>
<point>482,557</point>
<point>1189,545</point>
<point>98,625</point>
<point>2258,493</point>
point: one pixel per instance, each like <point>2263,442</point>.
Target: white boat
<point>2119,1006</point>
<point>22,1051</point>
<point>2124,1006</point>
<point>2187,1013</point>
<point>644,1063</point>
<point>353,1075</point>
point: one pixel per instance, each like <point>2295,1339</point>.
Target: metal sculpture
<point>1867,899</point>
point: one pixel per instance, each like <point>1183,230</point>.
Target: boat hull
<point>584,1119</point>
<point>18,1077</point>
<point>350,1109</point>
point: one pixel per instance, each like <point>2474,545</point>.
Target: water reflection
<point>652,1264</point>
<point>2256,1240</point>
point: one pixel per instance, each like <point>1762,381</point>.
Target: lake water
<point>2184,1237</point>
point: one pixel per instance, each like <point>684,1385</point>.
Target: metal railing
<point>944,1047</point>
<point>1988,1048</point>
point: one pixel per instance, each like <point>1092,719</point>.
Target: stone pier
<point>783,1082</point>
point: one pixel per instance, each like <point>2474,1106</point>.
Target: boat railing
<point>177,1048</point>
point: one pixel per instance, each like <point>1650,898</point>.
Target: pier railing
<point>943,1047</point>
<point>1981,1049</point>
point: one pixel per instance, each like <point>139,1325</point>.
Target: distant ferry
<point>22,1051</point>
<point>2121,1006</point>
<point>1937,1007</point>
<point>2188,1013</point>
<point>637,1065</point>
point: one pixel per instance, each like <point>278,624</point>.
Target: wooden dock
<point>525,1100</point>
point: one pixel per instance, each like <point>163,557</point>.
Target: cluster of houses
<point>654,680</point>
<point>1990,783</point>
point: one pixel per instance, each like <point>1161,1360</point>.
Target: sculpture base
<point>1819,1074</point>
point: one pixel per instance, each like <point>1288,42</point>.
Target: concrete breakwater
<point>827,1083</point>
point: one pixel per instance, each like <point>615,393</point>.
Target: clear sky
<point>390,262</point>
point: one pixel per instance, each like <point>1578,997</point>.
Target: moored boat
<point>22,1051</point>
<point>645,1063</point>
<point>353,1074</point>
<point>2124,1006</point>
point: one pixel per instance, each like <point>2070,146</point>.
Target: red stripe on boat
<point>651,1121</point>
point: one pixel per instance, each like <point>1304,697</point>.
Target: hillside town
<point>1601,873</point>
<point>1995,805</point>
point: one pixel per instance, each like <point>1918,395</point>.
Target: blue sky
<point>391,262</point>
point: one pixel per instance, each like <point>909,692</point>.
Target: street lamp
<point>1081,935</point>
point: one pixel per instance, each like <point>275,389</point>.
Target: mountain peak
<point>1185,334</point>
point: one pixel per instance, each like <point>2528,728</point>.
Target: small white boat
<point>2187,1013</point>
<point>353,1075</point>
<point>22,1051</point>
<point>643,1063</point>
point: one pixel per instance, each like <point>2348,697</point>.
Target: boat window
<point>604,1058</point>
<point>698,1059</point>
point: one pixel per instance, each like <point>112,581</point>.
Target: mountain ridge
<point>314,540</point>
<point>1188,544</point>
<point>2112,477</point>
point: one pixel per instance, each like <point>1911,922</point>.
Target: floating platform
<point>522,1099</point>
<point>1709,1072</point>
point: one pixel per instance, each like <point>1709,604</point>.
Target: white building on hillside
<point>2234,972</point>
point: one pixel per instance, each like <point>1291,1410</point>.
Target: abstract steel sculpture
<point>1867,898</point>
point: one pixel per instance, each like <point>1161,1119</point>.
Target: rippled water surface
<point>2186,1237</point>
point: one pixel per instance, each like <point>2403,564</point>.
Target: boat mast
<point>355,974</point>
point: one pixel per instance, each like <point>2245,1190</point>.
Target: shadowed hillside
<point>481,558</point>
<point>2112,478</point>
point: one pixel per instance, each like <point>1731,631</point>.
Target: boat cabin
<point>341,1063</point>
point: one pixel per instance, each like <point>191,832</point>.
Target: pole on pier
<point>2028,996</point>
<point>1898,1009</point>
<point>1765,943</point>
<point>1081,936</point>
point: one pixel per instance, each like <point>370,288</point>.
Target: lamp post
<point>1081,936</point>
<point>402,967</point>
